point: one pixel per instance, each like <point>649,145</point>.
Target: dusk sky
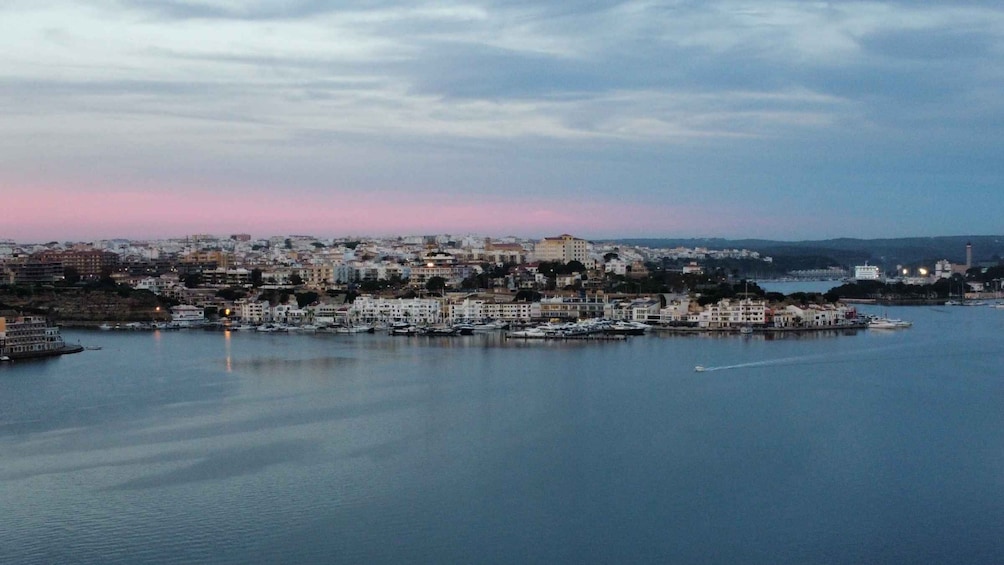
<point>766,119</point>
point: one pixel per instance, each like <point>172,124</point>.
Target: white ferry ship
<point>30,336</point>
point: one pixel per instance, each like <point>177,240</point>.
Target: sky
<point>769,119</point>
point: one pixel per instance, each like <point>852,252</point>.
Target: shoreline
<point>689,330</point>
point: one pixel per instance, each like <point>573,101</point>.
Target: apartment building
<point>563,248</point>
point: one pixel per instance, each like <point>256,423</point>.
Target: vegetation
<point>436,284</point>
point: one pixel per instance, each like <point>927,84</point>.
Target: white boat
<point>532,333</point>
<point>4,359</point>
<point>888,324</point>
<point>699,368</point>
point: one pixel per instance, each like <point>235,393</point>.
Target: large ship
<point>23,337</point>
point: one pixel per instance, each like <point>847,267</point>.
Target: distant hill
<point>849,251</point>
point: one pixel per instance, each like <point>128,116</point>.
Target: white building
<point>187,316</point>
<point>867,272</point>
<point>252,311</point>
<point>728,313</point>
<point>415,310</point>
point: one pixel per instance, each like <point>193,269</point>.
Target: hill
<point>849,251</point>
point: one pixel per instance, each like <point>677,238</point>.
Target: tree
<point>295,279</point>
<point>256,277</point>
<point>231,294</point>
<point>193,280</point>
<point>435,284</point>
<point>71,275</point>
<point>305,298</point>
<point>527,295</point>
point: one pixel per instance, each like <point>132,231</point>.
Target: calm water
<point>788,287</point>
<point>874,447</point>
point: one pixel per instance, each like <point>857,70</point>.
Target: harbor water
<point>861,446</point>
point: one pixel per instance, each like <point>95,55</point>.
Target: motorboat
<point>879,323</point>
<point>700,368</point>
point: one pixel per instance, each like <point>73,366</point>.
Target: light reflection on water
<point>179,447</point>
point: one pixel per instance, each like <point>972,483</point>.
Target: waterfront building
<point>727,313</point>
<point>675,311</point>
<point>471,309</point>
<point>331,314</point>
<point>572,308</point>
<point>369,309</point>
<point>251,311</point>
<point>638,310</point>
<point>187,316</point>
<point>27,336</point>
<point>563,249</point>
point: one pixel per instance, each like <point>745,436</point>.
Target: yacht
<point>878,323</point>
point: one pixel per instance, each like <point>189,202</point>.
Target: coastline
<point>768,330</point>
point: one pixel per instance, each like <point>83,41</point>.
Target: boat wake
<point>820,359</point>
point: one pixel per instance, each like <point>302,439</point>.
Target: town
<point>304,283</point>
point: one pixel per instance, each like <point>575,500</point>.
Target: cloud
<point>655,96</point>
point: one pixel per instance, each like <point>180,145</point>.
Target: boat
<point>700,368</point>
<point>625,328</point>
<point>440,331</point>
<point>746,330</point>
<point>879,323</point>
<point>532,333</point>
<point>93,348</point>
<point>105,327</point>
<point>4,359</point>
<point>24,337</point>
<point>402,328</point>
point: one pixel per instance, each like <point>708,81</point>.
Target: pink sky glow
<point>52,214</point>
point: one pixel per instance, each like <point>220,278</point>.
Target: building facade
<point>563,249</point>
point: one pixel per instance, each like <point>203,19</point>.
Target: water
<point>187,447</point>
<point>789,287</point>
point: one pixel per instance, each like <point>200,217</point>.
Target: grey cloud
<point>248,10</point>
<point>929,44</point>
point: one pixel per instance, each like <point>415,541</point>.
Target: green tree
<point>231,294</point>
<point>193,280</point>
<point>295,279</point>
<point>70,275</point>
<point>305,298</point>
<point>256,277</point>
<point>435,284</point>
